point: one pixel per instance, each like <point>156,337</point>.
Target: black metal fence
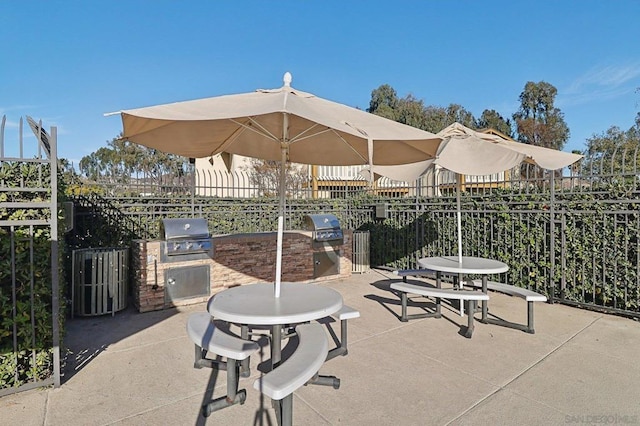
<point>29,258</point>
<point>571,234</point>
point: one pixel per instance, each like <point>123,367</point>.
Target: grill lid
<point>183,229</point>
<point>319,222</point>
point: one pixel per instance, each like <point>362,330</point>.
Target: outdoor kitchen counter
<point>251,236</point>
<point>236,259</point>
<point>247,258</point>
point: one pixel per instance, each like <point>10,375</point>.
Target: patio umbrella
<point>468,152</point>
<point>283,125</point>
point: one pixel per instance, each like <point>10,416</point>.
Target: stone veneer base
<point>237,259</point>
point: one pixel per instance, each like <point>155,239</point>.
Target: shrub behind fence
<point>576,243</point>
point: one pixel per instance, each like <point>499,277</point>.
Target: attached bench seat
<point>511,290</point>
<point>472,297</point>
<point>404,273</point>
<point>297,370</point>
<point>210,339</point>
<point>343,315</point>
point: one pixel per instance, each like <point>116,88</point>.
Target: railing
<point>29,282</point>
<point>572,234</point>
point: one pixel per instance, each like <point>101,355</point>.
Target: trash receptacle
<point>360,262</point>
<point>100,281</point>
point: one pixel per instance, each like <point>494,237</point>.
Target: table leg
<point>470,308</point>
<point>439,285</point>
<point>276,353</point>
<point>458,285</point>
<point>244,364</point>
<point>276,345</point>
<point>484,302</point>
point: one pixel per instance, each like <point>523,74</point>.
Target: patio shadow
<point>414,302</point>
<point>86,337</point>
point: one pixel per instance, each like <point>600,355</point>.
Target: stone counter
<point>236,259</point>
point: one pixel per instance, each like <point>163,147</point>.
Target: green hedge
<point>597,249</point>
<point>595,232</point>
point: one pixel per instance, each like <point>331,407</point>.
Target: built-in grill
<point>327,237</point>
<point>185,241</point>
<point>326,229</point>
<point>185,236</point>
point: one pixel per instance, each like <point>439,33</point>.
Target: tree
<point>408,110</point>
<point>614,151</point>
<point>412,111</point>
<point>384,102</point>
<point>435,118</point>
<point>97,164</point>
<point>458,113</point>
<point>265,175</point>
<point>491,119</point>
<point>538,121</point>
<point>121,160</point>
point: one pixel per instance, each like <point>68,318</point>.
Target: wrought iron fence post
<point>55,302</point>
<point>552,232</point>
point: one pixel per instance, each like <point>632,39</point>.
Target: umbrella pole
<point>279,256</point>
<point>459,223</point>
<point>283,181</point>
<point>282,189</point>
<point>283,166</point>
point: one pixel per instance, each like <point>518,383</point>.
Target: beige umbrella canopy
<point>468,152</point>
<point>263,123</point>
<point>282,124</point>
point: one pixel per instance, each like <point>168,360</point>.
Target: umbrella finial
<point>287,79</point>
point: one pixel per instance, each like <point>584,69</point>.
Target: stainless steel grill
<point>186,242</point>
<point>185,236</point>
<point>326,229</point>
<point>327,236</point>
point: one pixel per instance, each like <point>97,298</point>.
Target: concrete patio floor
<point>580,367</point>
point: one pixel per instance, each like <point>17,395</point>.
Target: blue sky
<point>69,62</point>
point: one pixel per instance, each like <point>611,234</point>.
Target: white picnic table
<point>468,265</point>
<point>256,304</point>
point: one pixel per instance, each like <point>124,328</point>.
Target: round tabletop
<point>256,304</point>
<point>469,265</point>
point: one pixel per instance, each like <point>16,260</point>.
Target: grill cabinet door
<point>186,282</point>
<point>326,263</point>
